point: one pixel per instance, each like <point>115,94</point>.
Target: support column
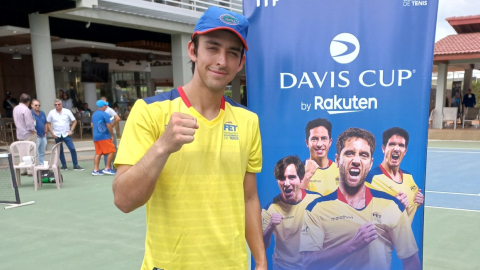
<point>236,89</point>
<point>440,97</point>
<point>467,81</point>
<point>182,72</point>
<point>42,60</point>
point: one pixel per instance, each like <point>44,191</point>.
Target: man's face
<point>354,162</point>
<point>290,186</point>
<point>58,105</point>
<point>218,58</point>
<point>319,142</point>
<point>394,151</point>
<point>36,106</point>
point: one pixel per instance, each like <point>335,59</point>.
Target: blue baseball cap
<point>101,103</point>
<point>216,18</point>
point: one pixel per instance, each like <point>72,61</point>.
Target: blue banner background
<point>295,36</point>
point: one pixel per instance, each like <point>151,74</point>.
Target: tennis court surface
<point>78,226</point>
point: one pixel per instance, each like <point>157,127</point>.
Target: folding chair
<point>53,165</point>
<point>23,149</point>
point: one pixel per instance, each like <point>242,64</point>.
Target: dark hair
<point>65,93</point>
<point>387,134</point>
<point>355,133</point>
<point>24,98</point>
<point>319,122</point>
<point>282,164</point>
<point>195,44</point>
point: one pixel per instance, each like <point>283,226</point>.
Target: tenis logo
<point>229,19</point>
<point>230,131</point>
<point>344,48</point>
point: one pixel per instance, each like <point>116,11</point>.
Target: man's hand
<point>310,168</point>
<point>276,219</point>
<point>111,138</point>
<point>364,236</point>
<point>179,131</point>
<point>402,197</point>
<point>70,133</point>
<point>419,198</point>
<point>55,137</point>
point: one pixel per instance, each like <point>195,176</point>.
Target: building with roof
<point>460,52</point>
<point>44,44</point>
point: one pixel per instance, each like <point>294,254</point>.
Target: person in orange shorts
<point>102,138</point>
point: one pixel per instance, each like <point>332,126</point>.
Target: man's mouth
<point>288,191</point>
<point>354,172</point>
<point>395,157</point>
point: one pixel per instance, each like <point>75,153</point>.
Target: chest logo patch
<point>230,131</point>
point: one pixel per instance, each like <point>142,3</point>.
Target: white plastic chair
<point>471,115</point>
<point>450,114</point>
<point>23,149</point>
<point>53,165</point>
<point>431,119</point>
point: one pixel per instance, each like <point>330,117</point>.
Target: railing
<point>202,5</point>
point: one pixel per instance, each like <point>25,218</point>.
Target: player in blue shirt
<point>103,138</point>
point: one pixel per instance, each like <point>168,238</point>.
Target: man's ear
<point>242,63</point>
<point>192,52</point>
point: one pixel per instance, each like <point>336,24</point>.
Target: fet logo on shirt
<point>230,131</point>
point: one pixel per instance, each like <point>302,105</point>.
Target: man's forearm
<point>267,236</point>
<point>73,125</point>
<point>326,259</point>
<point>412,262</point>
<point>253,221</point>
<point>134,185</point>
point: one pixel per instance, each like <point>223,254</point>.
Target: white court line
<point>458,209</point>
<point>453,193</point>
<point>463,152</point>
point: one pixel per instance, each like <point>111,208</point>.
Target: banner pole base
<point>18,205</point>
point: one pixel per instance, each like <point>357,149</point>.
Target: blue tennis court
<point>452,178</point>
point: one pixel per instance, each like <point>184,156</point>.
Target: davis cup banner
<point>342,92</point>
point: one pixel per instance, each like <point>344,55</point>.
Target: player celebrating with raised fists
<point>191,155</point>
<point>283,217</point>
<point>321,173</point>
<point>388,177</point>
<point>356,227</point>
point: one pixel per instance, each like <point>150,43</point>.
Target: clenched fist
<point>276,219</point>
<point>364,236</point>
<point>179,131</point>
<point>402,197</point>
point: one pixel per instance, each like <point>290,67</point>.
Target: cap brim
<point>222,28</point>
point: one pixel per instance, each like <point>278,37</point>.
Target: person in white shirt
<point>59,120</point>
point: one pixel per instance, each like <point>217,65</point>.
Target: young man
<point>388,177</point>
<point>59,120</point>
<point>114,119</point>
<point>321,174</point>
<point>356,227</point>
<point>283,217</point>
<point>25,125</point>
<point>192,156</point>
<point>103,138</point>
<point>41,128</point>
<point>469,100</point>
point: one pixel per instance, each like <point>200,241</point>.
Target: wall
<point>16,76</point>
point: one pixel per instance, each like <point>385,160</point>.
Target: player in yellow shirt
<point>356,227</point>
<point>321,173</point>
<point>191,155</point>
<point>283,217</point>
<point>389,178</point>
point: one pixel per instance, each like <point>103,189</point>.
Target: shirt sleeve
<point>266,217</point>
<point>29,122</point>
<point>106,117</point>
<point>402,237</point>
<point>255,159</point>
<point>70,114</point>
<point>312,234</point>
<point>140,133</point>
<point>49,117</point>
